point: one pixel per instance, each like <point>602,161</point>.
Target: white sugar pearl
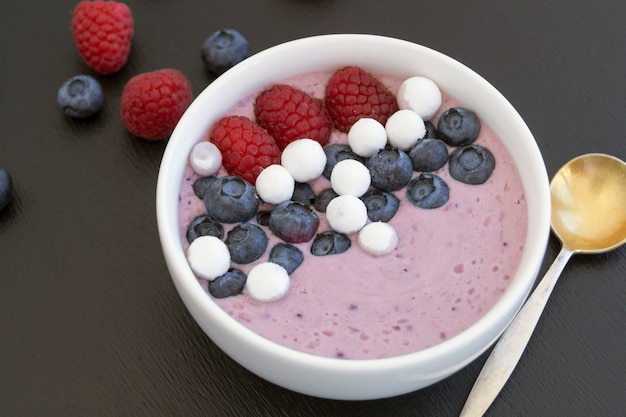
<point>350,177</point>
<point>378,238</point>
<point>267,282</point>
<point>208,257</point>
<point>205,158</point>
<point>346,214</point>
<point>275,184</point>
<point>421,95</point>
<point>404,128</point>
<point>304,159</point>
<point>367,136</point>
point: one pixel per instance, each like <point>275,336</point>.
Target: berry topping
<point>323,198</point>
<point>231,199</point>
<point>471,164</point>
<point>381,206</point>
<point>6,188</point>
<point>458,126</point>
<point>246,243</point>
<point>81,96</point>
<point>274,184</point>
<point>204,225</point>
<point>246,147</point>
<point>335,153</point>
<point>201,186</point>
<point>267,282</point>
<point>205,158</point>
<point>229,284</point>
<point>330,242</point>
<point>304,159</point>
<point>350,177</point>
<point>367,136</point>
<point>391,169</point>
<point>303,193</point>
<point>421,95</point>
<point>289,113</point>
<point>346,214</point>
<point>428,155</point>
<point>293,222</point>
<point>208,257</point>
<point>431,130</point>
<point>353,93</point>
<point>287,255</point>
<point>103,31</point>
<point>153,102</point>
<point>223,49</point>
<point>378,238</point>
<point>404,128</point>
<point>428,191</point>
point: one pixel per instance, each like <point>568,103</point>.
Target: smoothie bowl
<point>420,295</point>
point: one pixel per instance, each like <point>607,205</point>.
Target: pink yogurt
<point>450,267</point>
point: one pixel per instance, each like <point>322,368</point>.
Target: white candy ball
<point>421,95</point>
<point>205,158</point>
<point>275,184</point>
<point>350,177</point>
<point>208,257</point>
<point>267,282</point>
<point>378,238</point>
<point>367,136</point>
<point>346,214</point>
<point>304,159</point>
<point>404,128</point>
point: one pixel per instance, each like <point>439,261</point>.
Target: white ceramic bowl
<point>340,378</point>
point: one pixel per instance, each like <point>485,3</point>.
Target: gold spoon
<point>588,216</point>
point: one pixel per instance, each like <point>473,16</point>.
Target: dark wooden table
<point>91,324</point>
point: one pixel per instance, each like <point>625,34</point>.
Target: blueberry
<point>293,222</point>
<point>263,217</point>
<point>303,193</point>
<point>81,96</point>
<point>246,242</point>
<point>391,169</point>
<point>458,126</point>
<point>335,153</point>
<point>287,255</point>
<point>231,199</point>
<point>381,206</point>
<point>204,225</point>
<point>324,198</point>
<point>428,155</point>
<point>330,242</point>
<point>223,49</point>
<point>6,188</point>
<point>201,186</point>
<point>428,191</point>
<point>471,164</point>
<point>431,130</point>
<point>229,284</point>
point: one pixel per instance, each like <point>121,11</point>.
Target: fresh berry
<point>263,217</point>
<point>293,222</point>
<point>246,243</point>
<point>458,126</point>
<point>287,255</point>
<point>381,206</point>
<point>330,242</point>
<point>201,186</point>
<point>303,193</point>
<point>337,152</point>
<point>431,130</point>
<point>428,155</point>
<point>428,191</point>
<point>6,188</point>
<point>323,198</point>
<point>231,199</point>
<point>204,225</point>
<point>353,93</point>
<point>80,96</point>
<point>153,102</point>
<point>246,147</point>
<point>471,164</point>
<point>229,284</point>
<point>391,169</point>
<point>289,113</point>
<point>103,31</point>
<point>223,49</point>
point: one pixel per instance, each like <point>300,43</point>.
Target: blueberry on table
<point>81,96</point>
<point>231,199</point>
<point>229,284</point>
<point>246,242</point>
<point>323,198</point>
<point>201,185</point>
<point>330,242</point>
<point>293,222</point>
<point>286,255</point>
<point>204,225</point>
<point>223,49</point>
<point>6,188</point>
<point>458,126</point>
<point>381,206</point>
<point>428,155</point>
<point>337,152</point>
<point>428,191</point>
<point>471,164</point>
<point>390,169</point>
<point>303,193</point>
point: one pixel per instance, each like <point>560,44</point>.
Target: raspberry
<point>353,93</point>
<point>153,102</point>
<point>102,31</point>
<point>246,147</point>
<point>289,113</point>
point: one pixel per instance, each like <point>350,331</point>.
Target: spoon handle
<point>509,348</point>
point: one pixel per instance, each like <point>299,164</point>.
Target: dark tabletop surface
<point>90,321</point>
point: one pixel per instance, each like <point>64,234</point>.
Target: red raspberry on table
<point>102,31</point>
<point>289,113</point>
<point>353,93</point>
<point>153,102</point>
<point>246,147</point>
